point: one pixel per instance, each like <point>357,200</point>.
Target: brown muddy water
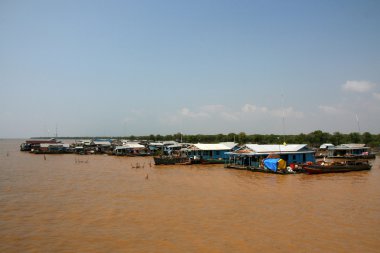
<point>99,203</point>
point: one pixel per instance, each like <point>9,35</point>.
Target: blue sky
<point>161,67</point>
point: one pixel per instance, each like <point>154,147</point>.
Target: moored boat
<point>170,160</point>
<point>337,167</point>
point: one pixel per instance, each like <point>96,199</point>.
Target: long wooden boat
<point>170,160</point>
<point>207,161</point>
<point>337,167</point>
<point>263,169</point>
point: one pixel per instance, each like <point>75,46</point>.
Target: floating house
<point>32,144</point>
<point>323,150</point>
<point>130,149</point>
<point>170,149</point>
<point>82,143</point>
<point>53,148</point>
<point>154,146</point>
<point>252,155</point>
<point>325,146</point>
<point>216,152</point>
<point>101,146</point>
<point>352,150</point>
<point>166,147</point>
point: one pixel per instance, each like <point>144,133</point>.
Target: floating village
<point>279,159</point>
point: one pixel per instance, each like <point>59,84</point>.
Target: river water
<point>99,203</point>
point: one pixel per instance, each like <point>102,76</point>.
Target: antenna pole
<point>283,116</point>
<point>357,120</point>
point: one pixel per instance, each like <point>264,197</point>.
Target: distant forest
<point>314,139</point>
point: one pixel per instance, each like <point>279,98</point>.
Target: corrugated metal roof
<point>275,148</point>
<point>175,146</point>
<point>170,143</point>
<point>103,143</point>
<point>133,145</point>
<point>326,145</point>
<point>156,144</point>
<point>46,145</point>
<point>350,146</point>
<point>217,146</point>
<point>231,145</point>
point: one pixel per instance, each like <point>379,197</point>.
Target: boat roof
<point>350,146</point>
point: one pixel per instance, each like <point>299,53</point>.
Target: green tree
<point>242,138</point>
<point>367,138</point>
<point>355,137</point>
<point>231,137</point>
<point>220,138</point>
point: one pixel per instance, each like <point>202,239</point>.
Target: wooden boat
<point>265,170</point>
<point>206,161</point>
<point>170,160</point>
<point>337,167</point>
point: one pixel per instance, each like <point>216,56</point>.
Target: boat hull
<point>170,160</point>
<point>263,170</point>
<point>318,169</point>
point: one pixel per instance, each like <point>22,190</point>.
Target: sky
<point>118,68</point>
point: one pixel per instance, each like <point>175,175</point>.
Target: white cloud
<point>329,109</point>
<point>275,112</point>
<point>127,120</point>
<point>248,108</point>
<point>187,113</point>
<point>358,86</point>
<point>286,112</point>
<point>212,108</point>
<point>229,116</point>
<point>376,95</point>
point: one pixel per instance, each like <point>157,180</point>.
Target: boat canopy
<point>350,146</point>
<point>274,164</point>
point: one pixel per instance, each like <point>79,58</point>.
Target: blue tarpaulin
<point>271,163</point>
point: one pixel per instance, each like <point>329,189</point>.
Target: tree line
<point>313,139</point>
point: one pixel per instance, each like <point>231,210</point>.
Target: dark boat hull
<point>263,170</point>
<point>170,160</point>
<point>318,169</point>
